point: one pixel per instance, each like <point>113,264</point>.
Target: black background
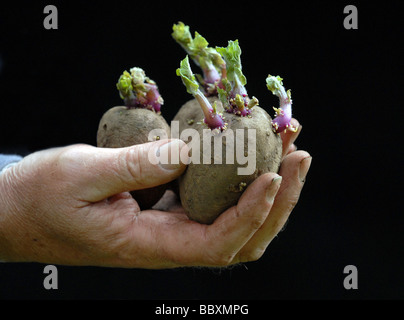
<point>56,84</point>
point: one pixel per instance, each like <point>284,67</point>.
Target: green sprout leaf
<point>199,44</point>
<point>188,78</point>
<point>207,58</point>
<point>231,55</point>
<point>223,97</point>
<point>181,34</point>
<point>124,85</point>
<point>224,94</point>
<point>275,85</point>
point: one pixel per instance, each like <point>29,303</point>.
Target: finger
<point>293,171</point>
<point>232,229</point>
<point>187,243</point>
<point>289,137</point>
<point>99,173</point>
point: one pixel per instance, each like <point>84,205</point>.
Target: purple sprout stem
<point>153,98</point>
<point>283,114</point>
<point>211,75</point>
<point>282,120</point>
<point>212,119</point>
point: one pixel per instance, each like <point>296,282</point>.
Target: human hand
<point>243,232</point>
<point>71,206</point>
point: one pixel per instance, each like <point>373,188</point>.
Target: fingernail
<point>273,189</point>
<point>304,168</point>
<point>169,155</point>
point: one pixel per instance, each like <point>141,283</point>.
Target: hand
<point>243,232</point>
<point>71,206</point>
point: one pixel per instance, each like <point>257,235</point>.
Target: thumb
<point>104,172</point>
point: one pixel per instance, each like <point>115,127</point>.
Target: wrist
<point>7,161</point>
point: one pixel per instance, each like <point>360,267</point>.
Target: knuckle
<point>221,259</point>
<point>70,156</point>
<point>69,162</point>
<point>256,222</point>
<point>132,161</point>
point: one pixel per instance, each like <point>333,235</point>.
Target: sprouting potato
<point>124,126</point>
<point>223,107</point>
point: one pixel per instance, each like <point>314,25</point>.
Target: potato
<point>206,190</point>
<point>120,127</point>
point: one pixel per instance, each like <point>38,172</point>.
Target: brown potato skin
<point>123,127</point>
<point>207,190</point>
